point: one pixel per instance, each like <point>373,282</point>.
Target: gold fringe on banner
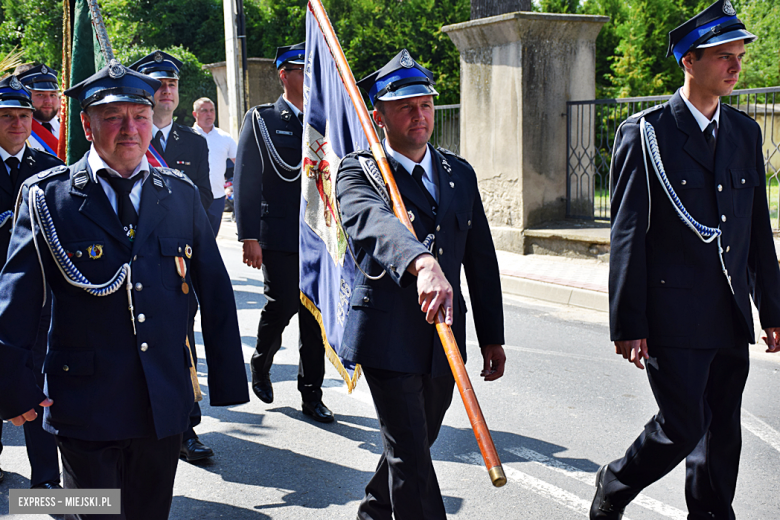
<point>329,352</point>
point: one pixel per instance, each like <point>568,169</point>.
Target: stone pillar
<point>517,71</point>
<point>264,87</point>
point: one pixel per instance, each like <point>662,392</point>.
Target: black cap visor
<point>122,95</point>
<point>16,103</point>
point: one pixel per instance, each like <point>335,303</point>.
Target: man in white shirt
<point>221,148</point>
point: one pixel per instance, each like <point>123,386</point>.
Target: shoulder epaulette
<point>188,130</point>
<point>639,115</point>
<point>450,153</point>
<point>738,111</point>
<point>175,174</point>
<point>50,172</point>
<point>48,153</point>
<point>265,105</point>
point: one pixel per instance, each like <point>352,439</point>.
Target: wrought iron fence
<point>591,127</point>
<point>446,128</point>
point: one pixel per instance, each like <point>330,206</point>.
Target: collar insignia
<point>175,135</point>
<point>446,165</point>
<point>80,179</point>
<point>452,184</point>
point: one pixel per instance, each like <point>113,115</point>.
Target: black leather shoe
<point>47,485</point>
<point>602,508</point>
<point>261,386</point>
<point>193,450</point>
<point>318,411</point>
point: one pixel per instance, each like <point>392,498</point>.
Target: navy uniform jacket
<point>188,151</point>
<point>385,328</point>
<point>106,383</point>
<point>665,284</point>
<point>33,161</point>
<point>267,207</point>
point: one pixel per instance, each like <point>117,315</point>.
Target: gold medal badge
<point>181,268</point>
<point>95,251</point>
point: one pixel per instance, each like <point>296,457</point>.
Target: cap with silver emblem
<point>40,78</point>
<point>294,54</point>
<point>158,65</point>
<point>115,84</point>
<point>401,78</point>
<point>14,95</point>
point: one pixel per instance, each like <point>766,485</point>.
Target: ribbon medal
<point>181,268</point>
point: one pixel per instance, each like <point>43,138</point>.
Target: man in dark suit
<point>268,197</point>
<point>21,162</point>
<point>185,150</point>
<point>118,376</point>
<point>386,332</point>
<point>679,298</point>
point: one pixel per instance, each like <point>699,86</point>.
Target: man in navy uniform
<point>185,150</point>
<point>386,332</point>
<point>42,83</point>
<point>680,299</point>
<point>21,162</point>
<point>118,389</point>
<point>267,185</point>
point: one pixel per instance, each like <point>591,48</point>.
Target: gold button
<point>468,223</point>
<point>441,251</point>
<point>141,318</point>
<point>728,248</point>
<point>144,347</point>
<point>684,182</point>
<point>180,250</point>
<point>723,218</point>
<point>720,187</point>
<point>438,228</point>
<point>65,368</point>
<point>663,281</point>
<point>139,286</point>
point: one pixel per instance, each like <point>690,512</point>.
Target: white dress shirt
<point>429,179</point>
<point>96,163</point>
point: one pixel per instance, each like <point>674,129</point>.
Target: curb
<point>576,297</point>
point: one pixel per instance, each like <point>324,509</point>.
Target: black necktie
<point>417,174</point>
<point>48,127</point>
<point>13,166</point>
<point>124,206</point>
<point>709,136</point>
<point>157,142</point>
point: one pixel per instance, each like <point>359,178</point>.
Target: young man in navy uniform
<point>42,83</point>
<point>676,301</point>
<point>268,197</point>
<point>21,162</point>
<point>386,332</point>
<point>185,150</point>
<point>118,388</point>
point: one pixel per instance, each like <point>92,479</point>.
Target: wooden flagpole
<point>478,424</point>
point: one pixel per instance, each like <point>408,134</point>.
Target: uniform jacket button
<point>720,187</point>
<point>743,181</point>
<point>65,368</point>
<point>663,281</point>
<point>391,267</point>
<point>438,228</point>
<point>139,286</point>
<point>728,248</point>
<point>468,223</point>
<point>366,299</point>
<point>441,251</point>
<point>144,347</point>
<point>684,182</point>
<point>78,254</point>
<point>723,218</point>
<point>141,318</point>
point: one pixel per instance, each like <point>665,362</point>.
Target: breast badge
<point>95,251</point>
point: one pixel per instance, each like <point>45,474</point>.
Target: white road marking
<point>761,429</point>
<point>590,479</point>
<point>561,496</point>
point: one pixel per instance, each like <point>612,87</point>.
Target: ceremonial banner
<point>331,129</point>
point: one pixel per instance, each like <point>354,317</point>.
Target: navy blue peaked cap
<point>401,78</point>
<point>115,84</point>
<point>295,54</point>
<point>40,77</point>
<point>158,64</point>
<point>716,25</point>
<point>13,94</point>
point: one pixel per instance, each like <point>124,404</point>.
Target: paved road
<point>566,405</point>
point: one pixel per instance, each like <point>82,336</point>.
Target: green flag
<point>86,60</point>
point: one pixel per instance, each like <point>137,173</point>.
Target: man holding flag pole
<point>371,315</point>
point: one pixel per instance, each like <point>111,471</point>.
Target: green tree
<point>762,59</point>
<point>35,26</point>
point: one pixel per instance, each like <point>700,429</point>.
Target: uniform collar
<point>165,130</point>
<point>700,118</point>
<point>96,163</point>
<point>5,155</point>
<point>408,164</point>
<point>294,109</point>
